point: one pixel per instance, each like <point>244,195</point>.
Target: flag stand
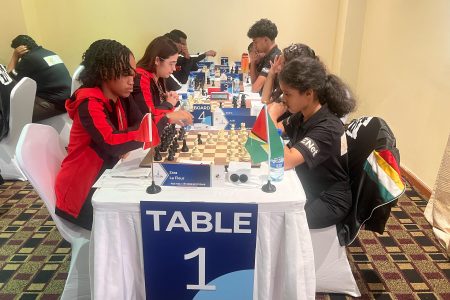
<point>268,187</point>
<point>153,188</point>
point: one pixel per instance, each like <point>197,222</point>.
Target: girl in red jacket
<point>105,127</point>
<point>150,92</point>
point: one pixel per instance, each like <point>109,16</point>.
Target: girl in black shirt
<point>318,146</point>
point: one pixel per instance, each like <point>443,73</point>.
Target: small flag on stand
<point>148,133</point>
<point>264,142</point>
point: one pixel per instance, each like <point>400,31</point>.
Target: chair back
<point>39,154</point>
<point>375,178</point>
<point>21,108</point>
<point>75,79</point>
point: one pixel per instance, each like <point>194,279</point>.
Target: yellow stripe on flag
<point>391,172</point>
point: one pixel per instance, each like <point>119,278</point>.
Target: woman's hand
<point>276,65</point>
<point>20,51</point>
<point>180,117</point>
<point>172,98</point>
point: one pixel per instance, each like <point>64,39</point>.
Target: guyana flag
<point>264,135</point>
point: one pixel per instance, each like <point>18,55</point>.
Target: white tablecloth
<point>284,256</point>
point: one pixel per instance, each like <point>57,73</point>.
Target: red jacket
<point>148,98</point>
<point>102,131</point>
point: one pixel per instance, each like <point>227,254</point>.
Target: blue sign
<point>202,113</point>
<point>180,174</point>
<point>224,117</point>
<point>197,250</point>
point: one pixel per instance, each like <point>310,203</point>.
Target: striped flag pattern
<point>382,168</point>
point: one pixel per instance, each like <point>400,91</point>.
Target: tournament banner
<point>198,250</point>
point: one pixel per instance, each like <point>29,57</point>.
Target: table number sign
<point>198,250</point>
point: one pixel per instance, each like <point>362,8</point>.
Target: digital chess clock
<point>220,96</point>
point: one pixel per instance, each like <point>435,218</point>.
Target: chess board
<point>217,149</point>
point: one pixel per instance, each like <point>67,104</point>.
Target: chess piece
<point>234,102</point>
<point>175,145</point>
<point>185,147</point>
<point>199,139</point>
<point>243,105</point>
<point>195,152</point>
<point>171,156</point>
<point>157,156</point>
<point>220,104</point>
<point>210,140</point>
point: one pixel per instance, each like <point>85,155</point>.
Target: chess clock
<point>219,96</point>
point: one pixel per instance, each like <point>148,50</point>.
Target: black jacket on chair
<point>375,177</point>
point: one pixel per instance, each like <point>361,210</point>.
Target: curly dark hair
<point>298,50</point>
<point>23,40</point>
<point>263,28</point>
<point>306,73</point>
<point>162,47</point>
<point>105,60</point>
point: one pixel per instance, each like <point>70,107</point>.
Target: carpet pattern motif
<point>405,262</point>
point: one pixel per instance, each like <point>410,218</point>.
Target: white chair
<point>39,154</point>
<point>75,79</point>
<point>21,112</point>
<point>333,272</point>
<point>62,123</point>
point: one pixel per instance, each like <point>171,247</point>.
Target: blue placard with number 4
<point>202,113</point>
<point>197,250</point>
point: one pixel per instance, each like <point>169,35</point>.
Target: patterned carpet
<point>404,263</point>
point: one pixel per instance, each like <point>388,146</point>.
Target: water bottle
<point>276,171</point>
<point>230,83</point>
<point>236,87</point>
<point>191,82</point>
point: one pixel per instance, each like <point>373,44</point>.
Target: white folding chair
<point>62,123</point>
<point>75,79</point>
<point>333,272</point>
<point>21,112</point>
<point>39,154</point>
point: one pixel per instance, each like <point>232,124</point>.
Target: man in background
<point>263,34</point>
<point>186,62</point>
<point>47,69</point>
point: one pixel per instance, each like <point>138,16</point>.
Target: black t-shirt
<point>263,66</point>
<point>185,66</point>
<point>322,142</point>
<point>48,70</point>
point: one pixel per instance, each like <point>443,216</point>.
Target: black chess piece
<point>199,139</point>
<point>220,104</point>
<point>157,156</point>
<point>185,147</point>
<point>243,105</point>
<point>175,145</point>
<point>171,156</point>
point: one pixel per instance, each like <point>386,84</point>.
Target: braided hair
<point>306,73</point>
<point>105,60</point>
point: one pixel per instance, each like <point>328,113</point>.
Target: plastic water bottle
<point>276,171</point>
<point>236,87</point>
<point>191,83</point>
<point>230,83</point>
